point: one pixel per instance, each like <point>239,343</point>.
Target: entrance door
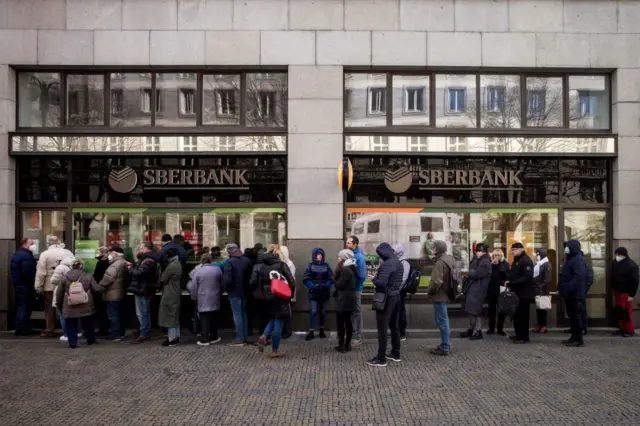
<point>589,227</point>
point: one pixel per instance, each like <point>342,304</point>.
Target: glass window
<point>418,143</point>
<point>501,104</point>
<point>584,181</point>
<point>152,143</point>
<point>266,100</point>
<point>545,107</point>
<point>366,106</point>
<point>189,143</point>
<point>130,100</point>
<point>40,225</point>
<point>85,100</point>
<point>221,99</point>
<point>175,100</point>
<point>410,100</point>
<point>589,98</point>
<point>455,100</point>
<point>39,99</point>
<point>42,179</point>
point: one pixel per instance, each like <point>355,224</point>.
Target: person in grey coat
<point>206,289</point>
<point>476,292</point>
<point>169,315</point>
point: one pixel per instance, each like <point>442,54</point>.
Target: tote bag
<point>543,303</point>
<point>279,286</point>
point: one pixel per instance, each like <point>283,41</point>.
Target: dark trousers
<point>574,312</point>
<point>541,317</point>
<point>402,316</point>
<point>388,319</point>
<point>114,310</point>
<point>345,328</point>
<point>23,310</point>
<point>208,326</point>
<point>521,320</point>
<point>71,327</point>
<point>493,313</point>
<point>101,315</point>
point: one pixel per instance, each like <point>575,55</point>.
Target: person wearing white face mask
<point>624,283</point>
<point>23,276</point>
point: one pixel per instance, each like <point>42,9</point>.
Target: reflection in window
<point>39,99</point>
<point>39,225</point>
<point>85,100</point>
<point>410,99</point>
<point>457,144</point>
<point>189,143</point>
<point>456,101</point>
<point>495,99</point>
<point>379,143</point>
<point>501,107</point>
<point>367,99</point>
<point>537,102</point>
<point>117,101</point>
<point>266,105</point>
<point>377,100</point>
<point>130,100</point>
<point>266,100</point>
<point>589,100</point>
<point>187,101</point>
<point>145,101</point>
<point>497,145</point>
<point>177,105</point>
<point>226,143</point>
<point>418,143</point>
<point>221,99</point>
<point>115,144</point>
<point>226,103</point>
<point>152,143</point>
<point>544,102</point>
<point>414,100</point>
<point>584,181</point>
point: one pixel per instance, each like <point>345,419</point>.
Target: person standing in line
<point>56,279</point>
<point>429,244</point>
<point>276,308</point>
<point>541,279</point>
<point>169,315</point>
<point>499,271</point>
<point>479,277</point>
<point>624,283</point>
<point>144,278</point>
<point>169,243</point>
<point>398,249</point>
<point>573,288</point>
<point>113,286</point>
<point>101,307</point>
<point>287,330</point>
<point>318,278</point>
<point>345,293</point>
<point>23,278</point>
<point>361,266</point>
<point>236,274</point>
<point>388,281</point>
<point>206,289</point>
<point>585,316</point>
<point>47,263</point>
<point>521,282</point>
<point>439,290</point>
<point>77,313</point>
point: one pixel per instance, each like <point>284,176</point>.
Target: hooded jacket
<point>389,277</point>
<point>144,275</point>
<point>318,277</point>
<point>47,263</point>
<point>441,280</point>
<point>114,281</point>
<point>399,251</point>
<point>236,273</point>
<point>182,253</point>
<point>274,307</point>
<point>61,271</point>
<point>573,278</point>
<point>285,257</point>
<point>521,277</point>
<point>361,267</point>
<point>23,270</point>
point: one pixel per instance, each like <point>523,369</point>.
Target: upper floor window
<point>117,102</point>
<point>537,102</point>
<point>414,100</point>
<point>588,104</point>
<point>456,100</point>
<point>145,101</point>
<point>377,100</point>
<point>226,143</point>
<point>495,99</point>
<point>187,101</point>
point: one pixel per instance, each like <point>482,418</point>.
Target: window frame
<point>447,93</point>
<point>383,101</point>
<point>183,92</point>
<point>405,103</point>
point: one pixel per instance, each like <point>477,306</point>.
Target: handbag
<point>543,303</point>
<point>379,301</point>
<point>279,286</point>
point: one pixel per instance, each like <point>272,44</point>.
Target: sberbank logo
<point>123,180</point>
<point>398,180</point>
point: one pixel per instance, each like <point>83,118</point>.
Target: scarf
<point>536,268</point>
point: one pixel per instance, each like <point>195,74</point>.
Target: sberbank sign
<point>195,178</point>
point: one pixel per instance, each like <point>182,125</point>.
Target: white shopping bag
<point>502,289</point>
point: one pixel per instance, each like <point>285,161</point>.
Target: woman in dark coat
<point>346,303</point>
<point>476,292</point>
<point>499,270</point>
<point>169,316</point>
<point>541,279</point>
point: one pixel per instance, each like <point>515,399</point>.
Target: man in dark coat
<point>169,243</point>
<point>144,277</point>
<point>479,277</point>
<point>318,278</point>
<point>23,277</point>
<point>521,282</point>
<point>236,273</point>
<point>102,258</point>
<point>624,283</point>
<point>388,280</point>
<point>573,288</point>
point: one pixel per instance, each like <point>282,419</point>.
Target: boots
<point>340,348</point>
<point>476,336</point>
<point>466,334</point>
<point>310,336</point>
<point>322,335</point>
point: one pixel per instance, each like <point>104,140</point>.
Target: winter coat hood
<point>315,253</point>
<point>542,252</point>
<point>269,258</point>
<point>385,251</point>
<point>574,247</point>
<point>285,253</point>
<point>399,251</point>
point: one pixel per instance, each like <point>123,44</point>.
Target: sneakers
<point>310,336</point>
<point>64,339</point>
<point>377,362</point>
<point>115,338</point>
<point>139,339</point>
<point>322,335</point>
<point>466,334</point>
<point>72,346</point>
<point>573,343</point>
<point>403,338</point>
<point>218,340</point>
<point>356,342</point>
<point>438,351</point>
<point>199,343</point>
<point>394,358</point>
<point>476,336</point>
<point>171,343</point>
<point>238,343</point>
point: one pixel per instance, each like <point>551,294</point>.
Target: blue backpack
<point>413,281</point>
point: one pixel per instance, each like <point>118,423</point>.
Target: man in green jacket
<point>439,289</point>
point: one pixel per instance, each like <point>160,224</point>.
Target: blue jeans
<point>316,305</point>
<point>142,311</point>
<point>274,328</point>
<point>442,321</point>
<point>23,310</point>
<point>63,324</point>
<point>173,333</point>
<point>239,308</point>
<point>115,320</point>
<point>72,325</point>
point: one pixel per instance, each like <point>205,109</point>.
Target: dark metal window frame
<point>199,128</point>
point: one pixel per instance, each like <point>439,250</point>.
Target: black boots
<point>322,335</point>
<point>310,336</point>
<point>476,336</point>
<point>466,334</point>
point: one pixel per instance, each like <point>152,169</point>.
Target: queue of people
<point>265,280</point>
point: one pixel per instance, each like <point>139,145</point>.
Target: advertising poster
<point>86,251</point>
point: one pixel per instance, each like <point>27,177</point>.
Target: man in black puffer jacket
<point>144,276</point>
<point>388,280</point>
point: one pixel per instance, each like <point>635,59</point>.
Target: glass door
<point>589,227</point>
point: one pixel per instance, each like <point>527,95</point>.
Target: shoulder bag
<point>379,301</point>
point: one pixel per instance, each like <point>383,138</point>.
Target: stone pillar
<point>315,202</point>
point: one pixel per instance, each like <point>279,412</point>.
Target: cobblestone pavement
<point>483,383</point>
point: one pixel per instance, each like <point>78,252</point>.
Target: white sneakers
<point>213,342</point>
<point>64,339</point>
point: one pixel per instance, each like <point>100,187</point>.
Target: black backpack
<point>455,288</point>
<point>413,281</point>
<point>508,303</point>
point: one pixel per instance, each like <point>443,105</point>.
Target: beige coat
<point>114,282</point>
<point>47,263</point>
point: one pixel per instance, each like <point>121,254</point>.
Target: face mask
<point>479,254</point>
<point>32,248</point>
<point>110,258</point>
<point>566,250</point>
<point>619,258</point>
